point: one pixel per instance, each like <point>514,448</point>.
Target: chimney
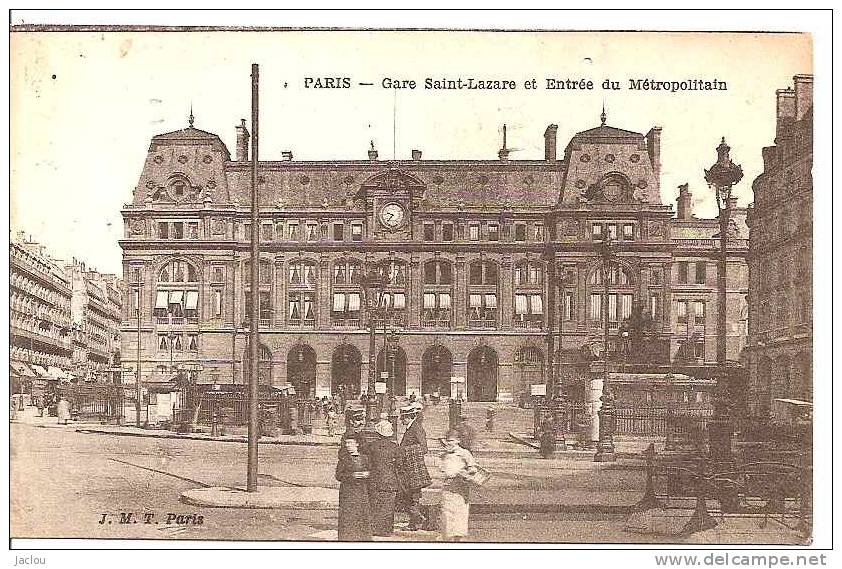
<point>242,142</point>
<point>684,203</point>
<point>785,110</point>
<point>286,155</point>
<point>416,155</point>
<point>372,152</point>
<point>803,95</point>
<point>550,143</point>
<point>21,236</point>
<point>653,145</point>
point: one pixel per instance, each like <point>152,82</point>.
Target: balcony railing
<point>346,323</point>
<point>299,323</point>
<point>436,323</point>
<point>482,323</point>
<point>528,323</point>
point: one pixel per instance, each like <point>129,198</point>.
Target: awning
<point>520,304</point>
<point>40,371</point>
<point>353,302</point>
<point>175,296</point>
<point>338,302</point>
<point>192,300</point>
<point>537,305</point>
<point>161,300</point>
<point>491,301</point>
<point>400,300</point>
<point>475,300</point>
<point>58,373</point>
<point>21,369</point>
<point>444,301</point>
<point>429,300</point>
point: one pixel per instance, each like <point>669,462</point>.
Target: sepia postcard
<point>439,286</point>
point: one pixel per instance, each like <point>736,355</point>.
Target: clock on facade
<point>392,215</point>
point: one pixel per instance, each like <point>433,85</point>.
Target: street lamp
<point>607,418</point>
<point>721,177</point>
<point>373,284</point>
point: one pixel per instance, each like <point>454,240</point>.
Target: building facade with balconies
<point>471,253</point>
<point>41,341</point>
<point>780,340</point>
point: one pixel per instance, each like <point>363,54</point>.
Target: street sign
<point>380,387</point>
<point>538,389</point>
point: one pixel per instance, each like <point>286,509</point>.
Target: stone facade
<point>472,251</point>
<point>779,353</point>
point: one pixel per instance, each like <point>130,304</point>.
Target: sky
<point>86,104</point>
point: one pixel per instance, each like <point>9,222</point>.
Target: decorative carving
<point>581,184</point>
<point>634,158</point>
<point>218,227</point>
<point>610,158</point>
<point>656,229</point>
<point>585,158</point>
<point>211,184</point>
<point>150,184</point>
<point>642,184</point>
<point>304,180</point>
<point>138,227</point>
<point>207,159</point>
<point>570,227</point>
<point>182,159</point>
<point>158,159</point>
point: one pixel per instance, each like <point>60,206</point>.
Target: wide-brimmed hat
<point>409,410</point>
<point>384,428</point>
<point>355,412</point>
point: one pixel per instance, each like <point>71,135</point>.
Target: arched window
<point>301,296</point>
<point>347,296</point>
<point>393,299</point>
<point>437,307</point>
<point>529,296</point>
<point>264,292</point>
<point>177,294</point>
<point>483,283</point>
<point>620,294</point>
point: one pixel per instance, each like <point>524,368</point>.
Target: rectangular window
<point>429,232</point>
<point>323,231</point>
<point>266,231</point>
<point>595,308</point>
<point>596,231</point>
<point>178,230</point>
<point>217,303</point>
<point>699,310</point>
<point>701,272</point>
<point>568,305</point>
<point>537,305</point>
<point>626,301</point>
<point>135,274</point>
<point>338,232</point>
<point>612,231</point>
<point>655,277</point>
<point>356,232</point>
<point>682,272</point>
<point>163,230</point>
<point>493,232</point>
<point>521,307</point>
<point>193,230</point>
<point>354,302</point>
<point>473,232</point>
<point>520,232</point>
<point>654,301</point>
<point>294,234</point>
<point>447,232</point>
<point>163,342</point>
<point>538,232</point>
<point>338,302</point>
<point>192,342</point>
<point>681,311</point>
<point>612,307</point>
<point>628,231</point>
<point>312,232</point>
<point>430,301</point>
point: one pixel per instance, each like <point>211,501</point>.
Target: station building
<point>493,267</point>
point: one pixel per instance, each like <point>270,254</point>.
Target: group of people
<point>378,476</point>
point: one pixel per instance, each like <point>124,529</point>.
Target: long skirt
<point>454,514</point>
<point>354,511</point>
<point>382,512</point>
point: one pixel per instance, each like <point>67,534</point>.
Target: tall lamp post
<point>607,417</point>
<point>373,284</point>
<point>721,177</point>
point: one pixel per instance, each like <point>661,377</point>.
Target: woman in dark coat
<point>383,486</point>
<point>353,473</point>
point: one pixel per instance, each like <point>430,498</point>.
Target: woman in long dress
<point>352,471</point>
<point>455,494</point>
<point>63,410</point>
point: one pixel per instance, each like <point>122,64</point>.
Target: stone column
<point>414,291</point>
<point>281,290</point>
<point>506,298</point>
<point>323,300</point>
<point>459,301</point>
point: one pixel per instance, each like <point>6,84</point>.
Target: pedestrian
<point>412,397</point>
<point>354,424</point>
<point>13,408</point>
<point>331,420</point>
<point>39,403</point>
<point>456,464</point>
<point>63,410</point>
<point>466,433</point>
<point>353,472</point>
<point>412,473</point>
<point>547,441</point>
<point>383,484</point>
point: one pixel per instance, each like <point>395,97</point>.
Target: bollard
<point>489,419</point>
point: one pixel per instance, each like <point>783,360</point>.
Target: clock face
<point>392,215</point>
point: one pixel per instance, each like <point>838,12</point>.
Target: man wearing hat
<point>383,484</point>
<point>413,473</point>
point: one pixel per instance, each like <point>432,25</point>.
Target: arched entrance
<point>436,369</point>
<point>301,370</point>
<point>528,368</point>
<point>264,372</point>
<point>482,374</point>
<point>346,370</point>
<point>396,366</point>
